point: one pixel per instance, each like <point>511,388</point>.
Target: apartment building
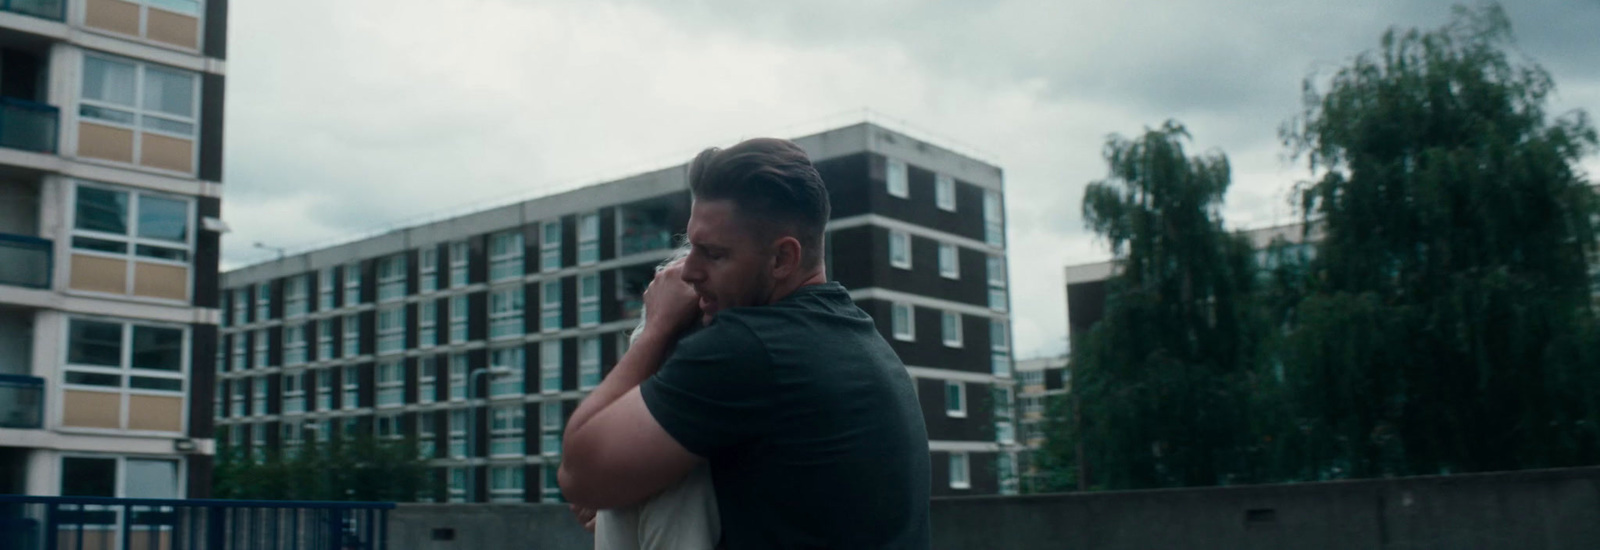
<point>479,334</point>
<point>1041,382</point>
<point>110,171</point>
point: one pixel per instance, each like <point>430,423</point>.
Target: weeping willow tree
<point>1447,323</point>
<point>1161,384</point>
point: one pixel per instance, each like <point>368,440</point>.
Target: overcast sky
<point>351,116</point>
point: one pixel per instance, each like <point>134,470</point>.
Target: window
<point>505,430</point>
<point>352,335</point>
<point>387,427</point>
<point>589,300</point>
<point>899,249</point>
<point>550,366</point>
<point>428,269</point>
<point>295,300</point>
<point>141,97</point>
<point>458,264</point>
<point>294,345</point>
<point>263,302</point>
<point>1006,468</point>
<point>505,312</point>
<point>352,388</point>
<point>456,481</point>
<point>1005,432</point>
<point>458,433</point>
<point>993,219</point>
<point>458,376</point>
<point>955,399</point>
<point>391,384</point>
<point>551,491</point>
<point>997,283</point>
<point>505,255</point>
<point>427,379</point>
<point>550,246</point>
<point>588,362</point>
<point>325,290</point>
<point>294,393</point>
<point>83,476</point>
<point>1002,403</point>
<point>325,390</point>
<point>391,330</point>
<point>352,285</point>
<point>458,319</point>
<point>897,180</point>
<point>999,348</point>
<point>325,339</point>
<point>241,307</point>
<point>510,383</point>
<point>550,424</point>
<point>588,239</point>
<point>258,401</point>
<point>550,444</point>
<point>239,350</point>
<point>903,322</point>
<point>241,397</point>
<point>391,278</point>
<point>221,361</point>
<point>949,261</point>
<point>550,307</point>
<point>258,441</point>
<point>951,324</point>
<point>959,475</point>
<point>427,440</point>
<point>944,192</point>
<point>427,323</point>
<point>259,340</point>
<point>505,483</point>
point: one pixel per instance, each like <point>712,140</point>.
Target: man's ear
<point>786,261</point>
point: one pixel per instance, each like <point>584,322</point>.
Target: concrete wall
<point>1548,509</point>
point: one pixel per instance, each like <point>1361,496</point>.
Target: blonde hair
<point>677,255</point>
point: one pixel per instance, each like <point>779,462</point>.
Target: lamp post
<point>472,424</point>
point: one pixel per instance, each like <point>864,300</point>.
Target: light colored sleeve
<point>684,517</point>
<point>617,529</point>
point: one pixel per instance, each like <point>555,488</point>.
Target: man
<point>806,416</point>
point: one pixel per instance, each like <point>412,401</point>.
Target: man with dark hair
<point>807,418</point>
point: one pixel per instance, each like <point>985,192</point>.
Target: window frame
<point>427,379</point>
<point>391,337</point>
<point>293,390</point>
<point>993,218</point>
<point>126,372</point>
<point>589,374</point>
<point>138,109</point>
<point>507,426</point>
<point>427,269</point>
<point>904,240</point>
<point>392,278</point>
<point>505,255</point>
<point>506,307</point>
<point>550,311</point>
<point>457,365</point>
<point>960,478</point>
<point>550,251</point>
<point>960,398</point>
<point>550,366</point>
<point>350,343</point>
<point>910,316</point>
<point>457,434</point>
<point>514,483</point>
<point>458,318</point>
<point>944,192</point>
<point>951,252</point>
<point>459,256</point>
<point>296,301</point>
<point>945,325</point>
<point>897,178</point>
<point>427,324</point>
<point>391,385</point>
<point>514,384</point>
<point>325,289</point>
<point>589,238</point>
<point>294,348</point>
<point>588,305</point>
<point>259,357</point>
<point>352,284</point>
<point>350,388</point>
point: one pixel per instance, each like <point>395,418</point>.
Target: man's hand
<point>670,305</point>
<point>585,516</point>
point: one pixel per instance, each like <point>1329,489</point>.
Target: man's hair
<point>774,188</point>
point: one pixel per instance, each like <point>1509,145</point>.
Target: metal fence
<point>97,523</point>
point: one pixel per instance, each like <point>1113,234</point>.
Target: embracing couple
<point>757,407</point>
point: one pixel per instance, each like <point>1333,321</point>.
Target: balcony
<point>54,10</point>
<point>28,125</point>
<point>21,402</point>
<point>25,261</point>
<point>649,225</point>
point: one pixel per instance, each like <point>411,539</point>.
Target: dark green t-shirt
<point>809,421</point>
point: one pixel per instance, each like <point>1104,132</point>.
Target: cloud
<point>376,114</point>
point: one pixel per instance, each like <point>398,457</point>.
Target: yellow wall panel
<point>98,274</point>
<point>155,412</point>
<point>112,15</point>
<point>92,537</point>
<point>161,281</point>
<point>91,409</point>
<point>167,152</point>
<point>105,142</point>
<point>173,28</point>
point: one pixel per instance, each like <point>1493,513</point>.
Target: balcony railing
<point>166,524</point>
<point>54,10</point>
<point>21,402</point>
<point>25,261</point>
<point>28,125</point>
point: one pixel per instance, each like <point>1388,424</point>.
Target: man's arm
<point>614,453</point>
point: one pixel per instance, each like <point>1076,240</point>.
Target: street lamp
<point>472,423</point>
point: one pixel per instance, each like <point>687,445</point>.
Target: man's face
<point>727,265</point>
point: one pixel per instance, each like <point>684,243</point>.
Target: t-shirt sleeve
<point>714,391</point>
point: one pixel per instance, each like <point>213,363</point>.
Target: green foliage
<point>1447,325</point>
<point>362,468</point>
<point>1162,379</point>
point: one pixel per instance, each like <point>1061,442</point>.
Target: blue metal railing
<point>96,523</point>
<point>55,10</point>
<point>28,125</point>
<point>21,402</point>
<point>25,261</point>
